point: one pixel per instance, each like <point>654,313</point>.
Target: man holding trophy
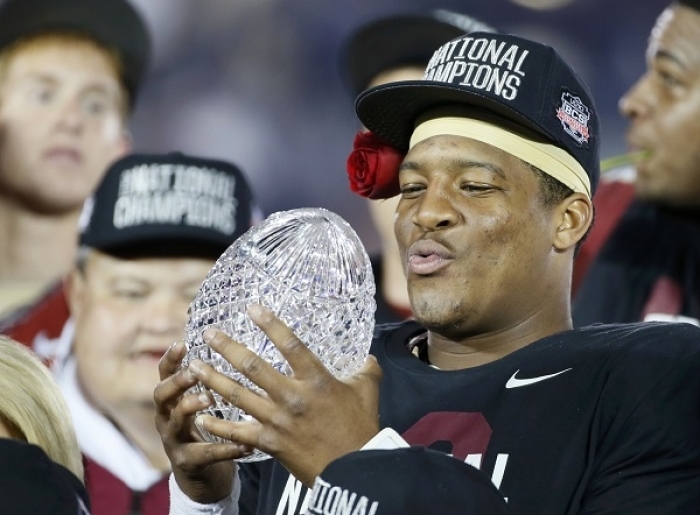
<point>500,142</point>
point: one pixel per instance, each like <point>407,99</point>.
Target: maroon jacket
<point>110,496</point>
<point>46,316</point>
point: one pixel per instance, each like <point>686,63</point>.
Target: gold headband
<point>550,159</point>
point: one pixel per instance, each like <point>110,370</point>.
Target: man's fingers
<point>246,435</point>
<point>252,366</point>
<point>171,360</point>
<point>182,416</point>
<point>167,393</point>
<point>201,454</point>
<point>232,391</point>
<point>301,359</point>
<point>367,379</point>
<point>371,371</point>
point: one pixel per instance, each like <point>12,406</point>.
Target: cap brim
<point>391,110</point>
<point>166,242</point>
<point>396,41</point>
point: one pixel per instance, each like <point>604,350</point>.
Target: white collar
<point>100,440</point>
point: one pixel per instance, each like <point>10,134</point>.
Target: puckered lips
<point>426,257</point>
<point>65,155</point>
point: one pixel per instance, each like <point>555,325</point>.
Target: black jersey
<point>599,420</point>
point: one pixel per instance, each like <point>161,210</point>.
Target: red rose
<point>373,167</point>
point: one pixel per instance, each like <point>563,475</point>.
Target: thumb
<point>370,374</point>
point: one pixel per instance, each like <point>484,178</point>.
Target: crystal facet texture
<point>310,268</point>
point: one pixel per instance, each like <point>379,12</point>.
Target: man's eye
<point>130,294</point>
<point>669,80</point>
<point>410,190</point>
<point>95,105</point>
<point>41,95</point>
<point>476,187</point>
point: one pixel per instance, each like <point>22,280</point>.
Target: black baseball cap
<point>407,481</point>
<point>516,79</point>
<point>168,205</point>
<point>31,483</point>
<point>399,40</point>
<point>112,23</point>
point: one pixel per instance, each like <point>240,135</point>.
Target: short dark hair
<point>552,192</point>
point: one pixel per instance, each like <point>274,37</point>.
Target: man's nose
<point>639,100</point>
<point>71,116</point>
<point>164,313</point>
<point>435,210</point>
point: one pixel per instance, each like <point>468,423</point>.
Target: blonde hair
<point>67,38</point>
<point>34,406</point>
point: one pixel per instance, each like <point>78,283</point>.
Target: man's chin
<point>647,192</point>
<point>443,323</point>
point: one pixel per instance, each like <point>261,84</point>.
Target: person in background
<point>642,260</point>
<point>501,141</point>
<point>148,237</point>
<point>32,408</point>
<point>70,72</point>
<point>388,49</point>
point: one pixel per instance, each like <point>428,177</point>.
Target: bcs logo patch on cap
<point>574,117</point>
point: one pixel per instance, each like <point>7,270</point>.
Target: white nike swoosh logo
<point>514,382</point>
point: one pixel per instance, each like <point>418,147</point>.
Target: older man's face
<point>127,313</point>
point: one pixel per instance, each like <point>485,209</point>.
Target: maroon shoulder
<point>611,201</point>
<point>47,315</point>
<point>111,496</point>
<point>108,495</point>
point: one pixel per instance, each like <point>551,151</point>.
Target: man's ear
<point>74,286</point>
<point>573,218</point>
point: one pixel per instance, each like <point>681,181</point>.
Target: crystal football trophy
<point>309,267</point>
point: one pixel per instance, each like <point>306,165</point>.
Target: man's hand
<point>204,471</point>
<point>305,420</point>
